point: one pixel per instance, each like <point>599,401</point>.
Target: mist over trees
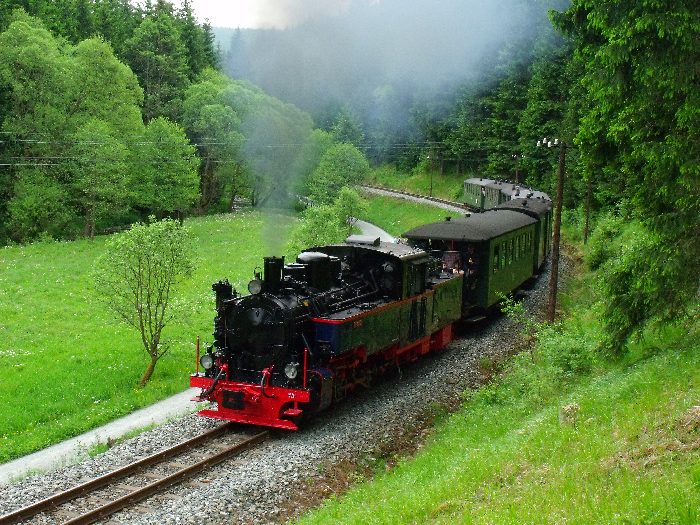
<point>386,64</point>
<point>616,81</point>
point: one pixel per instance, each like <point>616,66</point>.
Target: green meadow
<point>67,366</point>
<point>447,186</point>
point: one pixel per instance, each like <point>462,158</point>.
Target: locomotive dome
<point>477,227</point>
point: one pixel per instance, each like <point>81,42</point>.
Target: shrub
<point>601,244</point>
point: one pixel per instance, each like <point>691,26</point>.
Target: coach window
<point>496,251</point>
<point>511,249</point>
<point>522,245</point>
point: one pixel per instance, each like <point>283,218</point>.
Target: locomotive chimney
<point>224,291</point>
<point>273,273</point>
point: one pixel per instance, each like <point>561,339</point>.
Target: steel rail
<point>155,487</point>
<point>101,481</point>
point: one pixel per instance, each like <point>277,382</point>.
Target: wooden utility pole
<point>589,187</point>
<point>554,276</point>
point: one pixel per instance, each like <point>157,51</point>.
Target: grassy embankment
<point>563,435</point>
<point>397,216</point>
<point>448,186</point>
<point>67,365</point>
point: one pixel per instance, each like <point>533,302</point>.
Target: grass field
<point>67,365</point>
<point>397,216</point>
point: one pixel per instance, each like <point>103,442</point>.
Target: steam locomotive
<point>311,332</point>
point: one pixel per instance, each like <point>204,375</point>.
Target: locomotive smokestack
<point>224,291</point>
<point>273,273</point>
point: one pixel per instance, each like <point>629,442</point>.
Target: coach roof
<point>532,207</point>
<point>477,227</point>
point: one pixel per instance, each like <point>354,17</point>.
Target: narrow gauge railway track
<point>108,505</point>
<point>438,200</point>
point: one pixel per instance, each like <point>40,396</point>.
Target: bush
<point>341,165</point>
<point>601,245</point>
<point>39,207</point>
<point>572,351</point>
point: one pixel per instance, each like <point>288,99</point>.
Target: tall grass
<point>67,365</point>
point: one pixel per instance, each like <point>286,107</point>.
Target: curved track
<point>122,496</point>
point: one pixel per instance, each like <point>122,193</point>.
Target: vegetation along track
<point>399,193</point>
<point>118,496</point>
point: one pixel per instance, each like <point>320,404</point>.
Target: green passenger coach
<point>494,250</point>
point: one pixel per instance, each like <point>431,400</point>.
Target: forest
<point>112,112</point>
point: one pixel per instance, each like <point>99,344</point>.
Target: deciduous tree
<point>137,276</point>
<point>165,177</point>
<point>341,165</point>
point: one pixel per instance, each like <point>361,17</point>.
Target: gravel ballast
<point>261,485</point>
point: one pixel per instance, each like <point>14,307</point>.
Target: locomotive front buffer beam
<point>250,404</point>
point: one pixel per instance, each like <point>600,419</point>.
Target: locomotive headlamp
<point>207,361</point>
<point>255,286</point>
<point>291,370</point>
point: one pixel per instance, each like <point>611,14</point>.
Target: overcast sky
<point>267,13</point>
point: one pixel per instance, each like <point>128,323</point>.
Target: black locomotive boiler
<point>313,331</point>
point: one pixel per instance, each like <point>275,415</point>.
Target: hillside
<point>563,434</point>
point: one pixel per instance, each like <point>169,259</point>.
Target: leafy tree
<point>349,206</point>
<point>215,127</point>
<point>33,71</point>
<point>341,165</point>
<point>347,128</point>
<point>158,57</point>
<point>166,179</point>
<point>137,276</point>
<point>317,143</point>
<point>104,88</point>
<point>319,225</point>
<point>39,206</point>
<point>100,178</point>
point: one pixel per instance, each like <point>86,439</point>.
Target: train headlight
<point>291,370</point>
<point>255,286</point>
<point>207,361</point>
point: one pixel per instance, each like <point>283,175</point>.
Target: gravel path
<point>259,486</point>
